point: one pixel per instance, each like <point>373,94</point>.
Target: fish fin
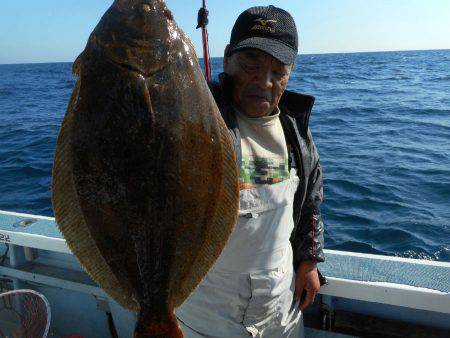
<point>76,67</point>
<point>148,103</point>
<point>70,218</point>
<point>148,327</point>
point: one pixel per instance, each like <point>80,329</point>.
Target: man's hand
<point>307,278</point>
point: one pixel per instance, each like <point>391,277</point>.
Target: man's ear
<point>225,58</point>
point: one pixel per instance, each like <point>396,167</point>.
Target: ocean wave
<point>356,246</point>
<point>25,171</point>
<point>5,92</point>
<point>441,78</point>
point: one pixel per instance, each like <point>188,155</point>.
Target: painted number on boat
<point>4,238</point>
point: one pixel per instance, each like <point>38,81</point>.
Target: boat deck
<point>397,288</point>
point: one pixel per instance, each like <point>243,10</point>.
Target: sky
<point>57,30</point>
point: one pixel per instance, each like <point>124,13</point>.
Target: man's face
<point>259,80</point>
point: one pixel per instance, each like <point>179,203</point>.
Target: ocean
<point>381,123</point>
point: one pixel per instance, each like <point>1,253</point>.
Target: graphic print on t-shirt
<point>258,170</point>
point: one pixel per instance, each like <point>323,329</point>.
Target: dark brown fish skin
<point>151,165</point>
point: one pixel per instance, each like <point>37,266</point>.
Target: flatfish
<point>144,182</point>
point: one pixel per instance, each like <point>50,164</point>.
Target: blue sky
<point>57,30</point>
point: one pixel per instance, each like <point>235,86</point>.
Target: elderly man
<point>252,289</point>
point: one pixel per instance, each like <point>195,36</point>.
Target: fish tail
<point>157,328</point>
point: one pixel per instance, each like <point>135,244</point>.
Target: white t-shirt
<point>264,150</point>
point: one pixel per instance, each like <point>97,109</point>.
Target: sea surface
<point>381,122</point>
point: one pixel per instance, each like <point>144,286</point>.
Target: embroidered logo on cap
<point>263,25</point>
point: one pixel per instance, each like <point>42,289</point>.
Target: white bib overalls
<point>249,290</point>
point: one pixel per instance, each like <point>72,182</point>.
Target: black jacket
<point>295,109</point>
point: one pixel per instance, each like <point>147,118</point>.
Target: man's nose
<point>264,79</point>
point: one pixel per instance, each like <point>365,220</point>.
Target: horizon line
<point>299,54</point>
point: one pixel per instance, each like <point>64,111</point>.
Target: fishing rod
<point>202,22</point>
